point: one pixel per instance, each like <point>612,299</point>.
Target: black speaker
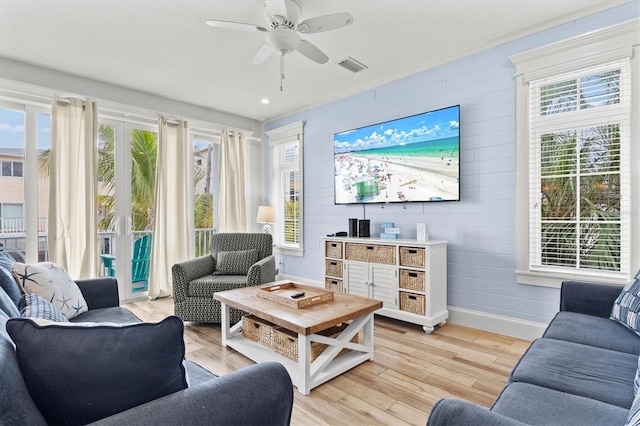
<point>353,227</point>
<point>363,228</point>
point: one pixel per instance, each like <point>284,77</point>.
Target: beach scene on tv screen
<point>409,159</point>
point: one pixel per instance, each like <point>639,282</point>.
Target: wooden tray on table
<point>281,292</point>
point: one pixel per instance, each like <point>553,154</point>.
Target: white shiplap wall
<point>481,228</point>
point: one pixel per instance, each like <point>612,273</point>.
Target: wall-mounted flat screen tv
<point>414,158</point>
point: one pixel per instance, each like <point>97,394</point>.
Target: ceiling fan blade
<point>262,54</point>
<point>312,52</point>
<point>325,23</point>
<point>287,9</point>
<point>239,26</point>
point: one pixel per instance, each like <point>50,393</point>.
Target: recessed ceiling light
<point>264,101</point>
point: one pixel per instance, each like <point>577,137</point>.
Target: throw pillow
<point>235,262</point>
<point>8,284</point>
<point>77,373</point>
<point>36,307</point>
<point>6,261</point>
<point>8,306</point>
<point>626,308</point>
<point>636,382</point>
<point>52,282</point>
<point>633,419</point>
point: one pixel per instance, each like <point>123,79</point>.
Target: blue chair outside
<point>139,263</point>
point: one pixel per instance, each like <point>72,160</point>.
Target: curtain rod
<point>66,101</point>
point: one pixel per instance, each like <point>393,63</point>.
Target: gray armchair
<point>236,260</point>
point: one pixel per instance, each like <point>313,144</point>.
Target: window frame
<point>591,49</point>
<point>30,111</point>
<point>277,138</point>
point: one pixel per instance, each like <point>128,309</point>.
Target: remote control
<point>297,295</point>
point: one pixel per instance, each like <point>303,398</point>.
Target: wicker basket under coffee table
<point>308,323</point>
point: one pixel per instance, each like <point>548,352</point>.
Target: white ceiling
<point>163,47</point>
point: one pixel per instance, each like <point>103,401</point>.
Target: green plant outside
<point>291,222</point>
<point>580,196</point>
<point>143,175</point>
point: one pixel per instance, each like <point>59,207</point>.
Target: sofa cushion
<point>596,373</point>
<point>235,262</point>
<point>52,282</point>
<point>209,284</point>
<point>197,374</point>
<point>593,331</point>
<point>626,308</point>
<point>8,284</point>
<point>79,373</point>
<point>116,315</point>
<point>16,405</point>
<point>7,305</point>
<point>533,404</point>
<point>36,307</point>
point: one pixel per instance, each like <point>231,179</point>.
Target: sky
<point>443,123</point>
<point>12,129</point>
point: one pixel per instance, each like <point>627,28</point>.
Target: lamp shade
<point>266,214</point>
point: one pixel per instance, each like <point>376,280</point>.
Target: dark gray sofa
<point>260,394</point>
<point>581,372</point>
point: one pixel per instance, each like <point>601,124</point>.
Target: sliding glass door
<point>126,194</point>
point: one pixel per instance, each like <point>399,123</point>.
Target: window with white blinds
<point>577,151</point>
<point>579,180</point>
<point>285,158</point>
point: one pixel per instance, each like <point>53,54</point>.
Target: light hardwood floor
<point>410,371</point>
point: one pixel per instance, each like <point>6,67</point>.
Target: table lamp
<point>266,215</point>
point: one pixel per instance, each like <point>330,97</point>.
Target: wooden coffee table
<point>306,322</point>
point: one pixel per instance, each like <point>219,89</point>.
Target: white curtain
<point>232,215</point>
<point>173,227</point>
<point>73,187</point>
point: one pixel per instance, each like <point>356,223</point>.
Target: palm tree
<point>143,174</point>
<point>144,151</point>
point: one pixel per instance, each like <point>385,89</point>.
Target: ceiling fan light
<point>283,40</point>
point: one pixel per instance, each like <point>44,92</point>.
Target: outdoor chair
<point>236,260</point>
<point>139,263</point>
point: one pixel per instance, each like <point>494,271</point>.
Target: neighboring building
<point>12,196</point>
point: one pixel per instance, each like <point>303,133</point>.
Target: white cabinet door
<point>373,280</point>
<point>357,278</point>
<point>384,284</point>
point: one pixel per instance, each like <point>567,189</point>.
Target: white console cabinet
<point>409,277</point>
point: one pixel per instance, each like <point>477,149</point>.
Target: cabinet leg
<point>428,329</point>
<point>442,323</point>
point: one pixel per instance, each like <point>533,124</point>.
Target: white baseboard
<point>508,326</point>
<point>305,281</point>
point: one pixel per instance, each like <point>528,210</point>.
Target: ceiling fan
<point>284,29</point>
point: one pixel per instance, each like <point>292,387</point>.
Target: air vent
<point>352,65</point>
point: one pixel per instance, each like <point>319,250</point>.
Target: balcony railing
<point>17,240</point>
<point>17,225</point>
